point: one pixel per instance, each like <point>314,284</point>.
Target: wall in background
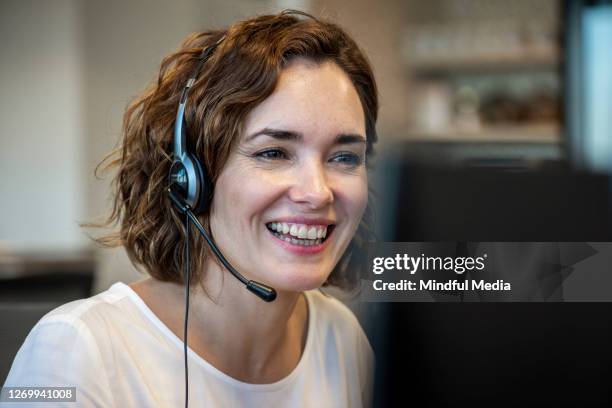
<point>42,174</point>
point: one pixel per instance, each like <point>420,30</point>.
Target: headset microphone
<point>264,292</point>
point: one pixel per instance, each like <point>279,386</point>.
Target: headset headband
<point>179,126</point>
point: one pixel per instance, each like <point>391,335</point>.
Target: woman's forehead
<point>310,98</point>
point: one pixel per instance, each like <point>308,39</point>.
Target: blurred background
<point>487,84</point>
<point>480,79</point>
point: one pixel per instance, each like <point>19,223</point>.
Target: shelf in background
<point>542,59</point>
<point>537,133</point>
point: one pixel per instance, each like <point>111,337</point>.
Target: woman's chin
<point>296,281</point>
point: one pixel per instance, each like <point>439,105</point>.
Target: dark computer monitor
<point>491,204</point>
<point>494,354</point>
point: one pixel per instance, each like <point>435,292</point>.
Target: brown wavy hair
<point>241,73</point>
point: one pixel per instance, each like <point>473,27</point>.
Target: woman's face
<point>292,194</point>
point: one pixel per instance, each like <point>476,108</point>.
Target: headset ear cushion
<point>205,194</point>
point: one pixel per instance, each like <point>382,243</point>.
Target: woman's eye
<point>346,158</point>
<point>272,154</point>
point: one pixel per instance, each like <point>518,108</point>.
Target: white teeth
<point>302,242</point>
<point>312,233</point>
<point>301,231</point>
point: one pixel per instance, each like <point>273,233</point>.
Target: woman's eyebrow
<point>349,139</point>
<point>276,134</point>
<point>343,138</point>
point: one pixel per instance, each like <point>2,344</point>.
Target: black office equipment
<point>493,354</point>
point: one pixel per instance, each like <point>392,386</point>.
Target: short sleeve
<point>61,352</point>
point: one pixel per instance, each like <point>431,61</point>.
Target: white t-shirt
<point>117,353</point>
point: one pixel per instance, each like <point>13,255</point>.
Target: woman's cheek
<point>358,197</point>
<point>242,185</point>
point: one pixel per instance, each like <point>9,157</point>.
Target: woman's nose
<point>311,187</point>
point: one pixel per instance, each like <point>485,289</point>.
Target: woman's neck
<point>232,329</point>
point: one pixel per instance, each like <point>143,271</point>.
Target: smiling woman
<point>303,154</point>
<point>282,117</point>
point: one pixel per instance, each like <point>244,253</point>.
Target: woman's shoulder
<point>78,322</point>
<point>73,329</point>
<point>64,347</point>
<point>89,311</point>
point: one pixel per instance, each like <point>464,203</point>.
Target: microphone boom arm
<point>264,292</point>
